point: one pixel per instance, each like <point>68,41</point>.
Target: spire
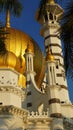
<point>51,1</point>
<point>30,47</point>
<point>8,19</point>
<point>49,56</point>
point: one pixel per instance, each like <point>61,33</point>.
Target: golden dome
<point>9,60</point>
<point>49,56</point>
<point>16,43</point>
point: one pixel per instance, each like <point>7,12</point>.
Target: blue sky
<point>29,25</point>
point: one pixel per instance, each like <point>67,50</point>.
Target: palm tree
<point>66,32</point>
<point>10,7</point>
<point>3,34</point>
<point>42,8</point>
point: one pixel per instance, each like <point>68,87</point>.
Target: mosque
<point>33,87</point>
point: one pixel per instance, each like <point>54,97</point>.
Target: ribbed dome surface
<point>16,43</point>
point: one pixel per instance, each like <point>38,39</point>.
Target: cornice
<point>9,69</point>
<point>14,111</point>
<point>13,90</point>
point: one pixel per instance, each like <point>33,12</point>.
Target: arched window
<point>51,16</point>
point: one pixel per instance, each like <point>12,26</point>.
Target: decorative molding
<point>64,87</point>
<point>12,110</point>
<point>13,90</point>
<point>9,69</point>
<point>57,115</point>
<point>57,54</point>
<point>37,114</point>
<point>36,117</point>
<point>54,100</point>
<point>51,35</point>
<point>55,44</point>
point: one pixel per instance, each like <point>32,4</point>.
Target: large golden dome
<point>16,43</point>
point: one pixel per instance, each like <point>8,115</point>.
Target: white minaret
<point>54,98</point>
<point>29,55</point>
<point>49,31</point>
<point>57,85</point>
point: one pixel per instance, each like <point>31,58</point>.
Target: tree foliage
<point>14,6</point>
<point>67,37</point>
<point>3,34</point>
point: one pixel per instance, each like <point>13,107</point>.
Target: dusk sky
<point>27,23</point>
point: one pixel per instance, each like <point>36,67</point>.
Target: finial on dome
<point>49,56</point>
<point>27,49</point>
<point>51,1</point>
<point>30,47</point>
<point>8,19</point>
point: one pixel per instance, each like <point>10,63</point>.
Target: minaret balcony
<point>54,8</point>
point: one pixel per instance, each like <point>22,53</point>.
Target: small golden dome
<point>51,1</point>
<point>49,56</point>
<point>9,60</point>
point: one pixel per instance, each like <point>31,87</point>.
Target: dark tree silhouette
<point>66,32</point>
<point>13,6</point>
<point>3,34</point>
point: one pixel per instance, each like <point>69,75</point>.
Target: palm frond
<point>14,6</point>
<point>66,32</point>
<point>42,8</point>
<point>3,34</point>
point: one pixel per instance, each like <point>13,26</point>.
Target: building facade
<point>33,87</point>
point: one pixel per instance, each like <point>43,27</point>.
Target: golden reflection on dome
<point>22,81</point>
<point>17,42</point>
<point>49,56</point>
<point>9,60</point>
